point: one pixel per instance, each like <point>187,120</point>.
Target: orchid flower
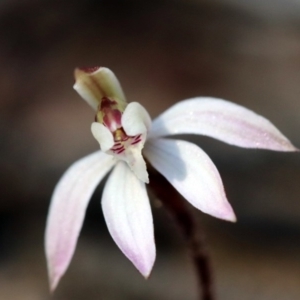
<point>125,136</point>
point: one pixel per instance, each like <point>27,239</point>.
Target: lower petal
<point>67,210</point>
<point>128,217</point>
<point>192,173</point>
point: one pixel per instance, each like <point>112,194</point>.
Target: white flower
<point>122,130</point>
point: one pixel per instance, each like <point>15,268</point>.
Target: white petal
<point>223,120</point>
<point>128,217</point>
<point>135,160</point>
<point>103,135</point>
<point>94,83</point>
<point>135,119</point>
<point>67,210</point>
<point>132,155</point>
<point>192,173</point>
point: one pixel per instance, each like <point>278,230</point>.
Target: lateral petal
<point>223,120</point>
<point>103,135</point>
<point>192,173</point>
<point>128,217</point>
<point>135,119</point>
<point>92,84</point>
<point>67,210</point>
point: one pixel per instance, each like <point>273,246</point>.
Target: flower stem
<point>195,240</point>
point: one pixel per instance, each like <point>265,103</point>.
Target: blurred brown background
<point>163,52</point>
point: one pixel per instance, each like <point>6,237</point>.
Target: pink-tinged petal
<point>67,210</point>
<point>223,120</point>
<point>103,135</point>
<point>92,84</point>
<point>135,119</point>
<point>192,173</point>
<point>128,217</point>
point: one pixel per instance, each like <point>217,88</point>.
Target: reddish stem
<point>176,205</point>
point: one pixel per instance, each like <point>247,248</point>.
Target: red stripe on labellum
<point>135,142</point>
<point>137,137</point>
<point>120,151</point>
<point>117,149</point>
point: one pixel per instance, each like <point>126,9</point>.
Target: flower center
<point>110,115</point>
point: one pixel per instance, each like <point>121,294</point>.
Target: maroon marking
<point>137,137</point>
<point>117,144</point>
<point>119,152</point>
<point>107,103</point>
<point>135,142</point>
<point>89,70</point>
<point>112,119</point>
<point>117,149</point>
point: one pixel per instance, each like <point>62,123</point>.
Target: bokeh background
<point>246,51</point>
